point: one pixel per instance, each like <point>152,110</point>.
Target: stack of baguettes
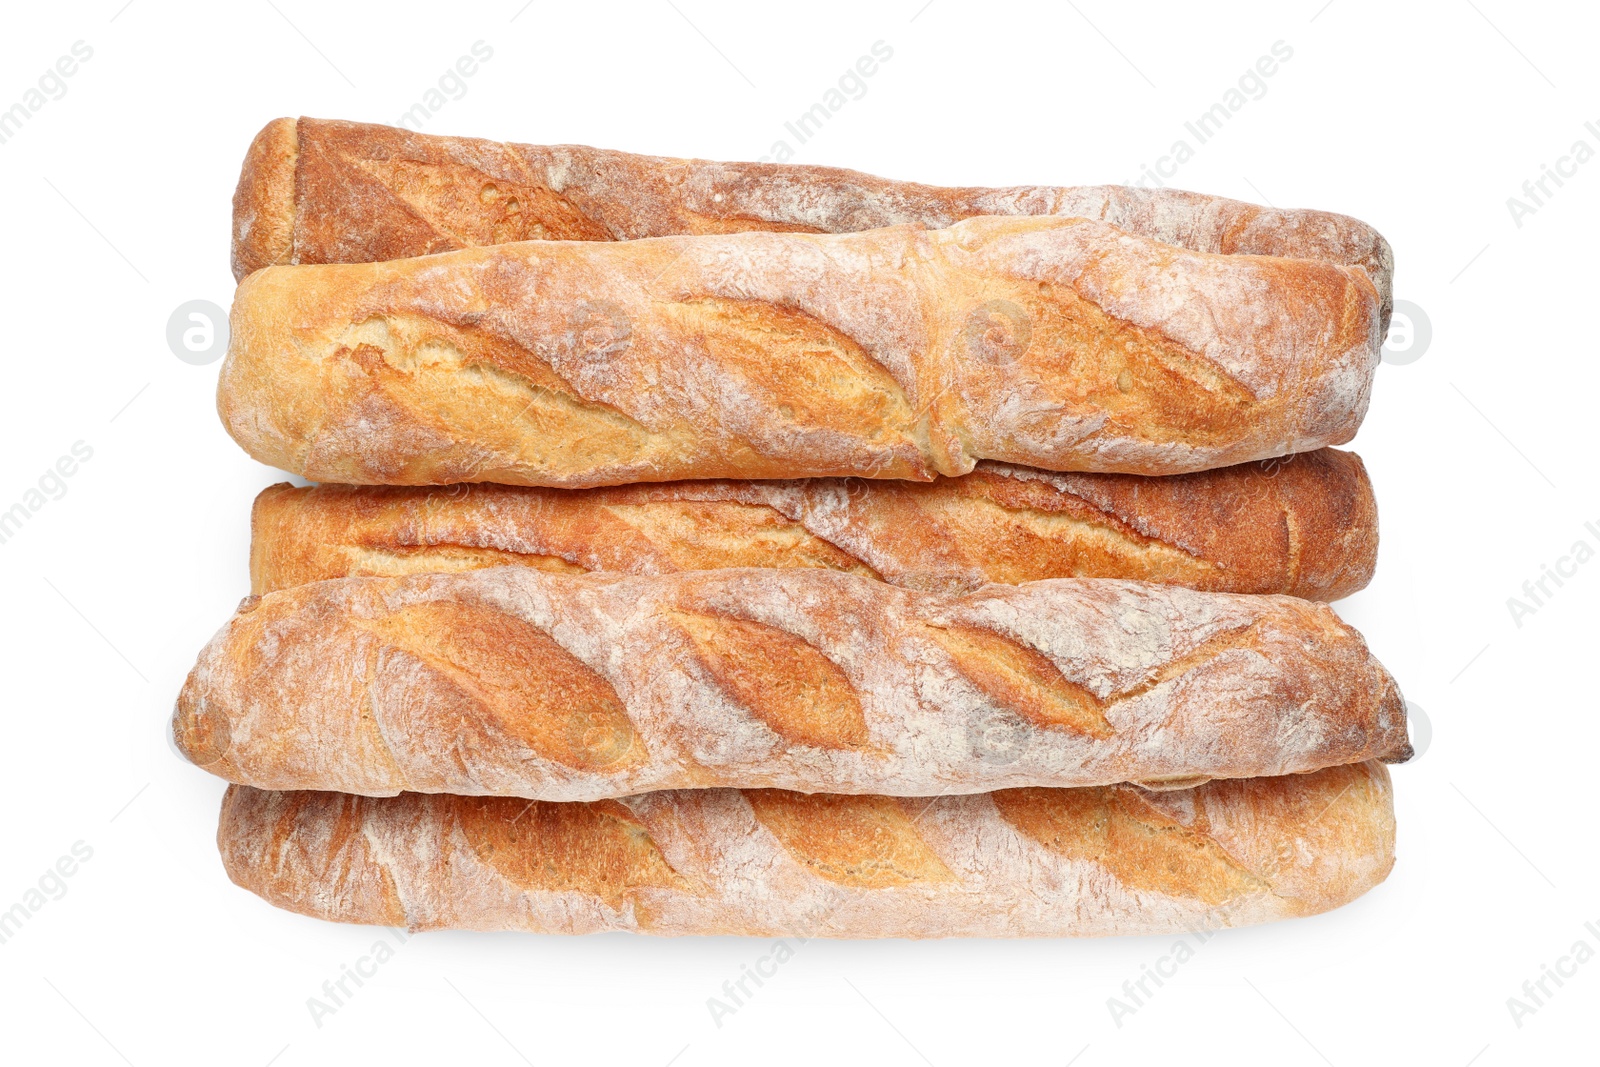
<point>992,608</point>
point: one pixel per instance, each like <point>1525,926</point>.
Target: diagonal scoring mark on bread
<point>1029,683</point>
<point>864,841</point>
<point>525,684</point>
<point>1085,542</point>
<point>346,854</point>
<point>1152,358</point>
<point>1055,510</point>
<point>1115,827</point>
<point>413,345</point>
<point>471,208</point>
<point>1021,679</point>
<point>350,837</point>
<point>600,848</point>
<point>794,688</point>
<point>496,390</point>
<point>811,373</point>
<point>1137,376</point>
<point>1194,659</point>
<point>707,534</point>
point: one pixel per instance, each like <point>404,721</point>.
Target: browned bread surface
<point>1015,863</point>
<point>318,191</point>
<point>1056,343</point>
<point>1305,526</point>
<point>516,681</point>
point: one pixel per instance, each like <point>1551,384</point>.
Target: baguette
<point>517,682</point>
<point>318,191</point>
<point>899,353</point>
<point>1016,863</point>
<point>1307,528</point>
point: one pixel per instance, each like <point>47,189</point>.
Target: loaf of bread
<point>1305,526</point>
<point>899,353</point>
<point>1015,863</point>
<point>314,191</point>
<point>514,681</point>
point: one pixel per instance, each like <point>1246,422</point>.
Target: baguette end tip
<point>263,201</point>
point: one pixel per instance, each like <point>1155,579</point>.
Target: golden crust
<point>1306,526</point>
<point>1027,862</point>
<point>367,193</point>
<point>264,202</point>
<point>517,682</point>
<point>1171,333</point>
<point>1052,342</point>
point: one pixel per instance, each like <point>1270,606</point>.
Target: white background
<point>1420,119</point>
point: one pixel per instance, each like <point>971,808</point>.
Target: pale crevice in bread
<point>514,681</point>
<point>1291,536</point>
<point>1134,555</point>
<point>438,558</point>
<point>1026,862</point>
<point>362,193</point>
<point>728,533</point>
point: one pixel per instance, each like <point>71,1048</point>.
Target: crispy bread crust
<point>1017,863</point>
<point>367,193</point>
<point>1050,342</point>
<point>518,682</point>
<point>1306,526</point>
<point>264,201</point>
